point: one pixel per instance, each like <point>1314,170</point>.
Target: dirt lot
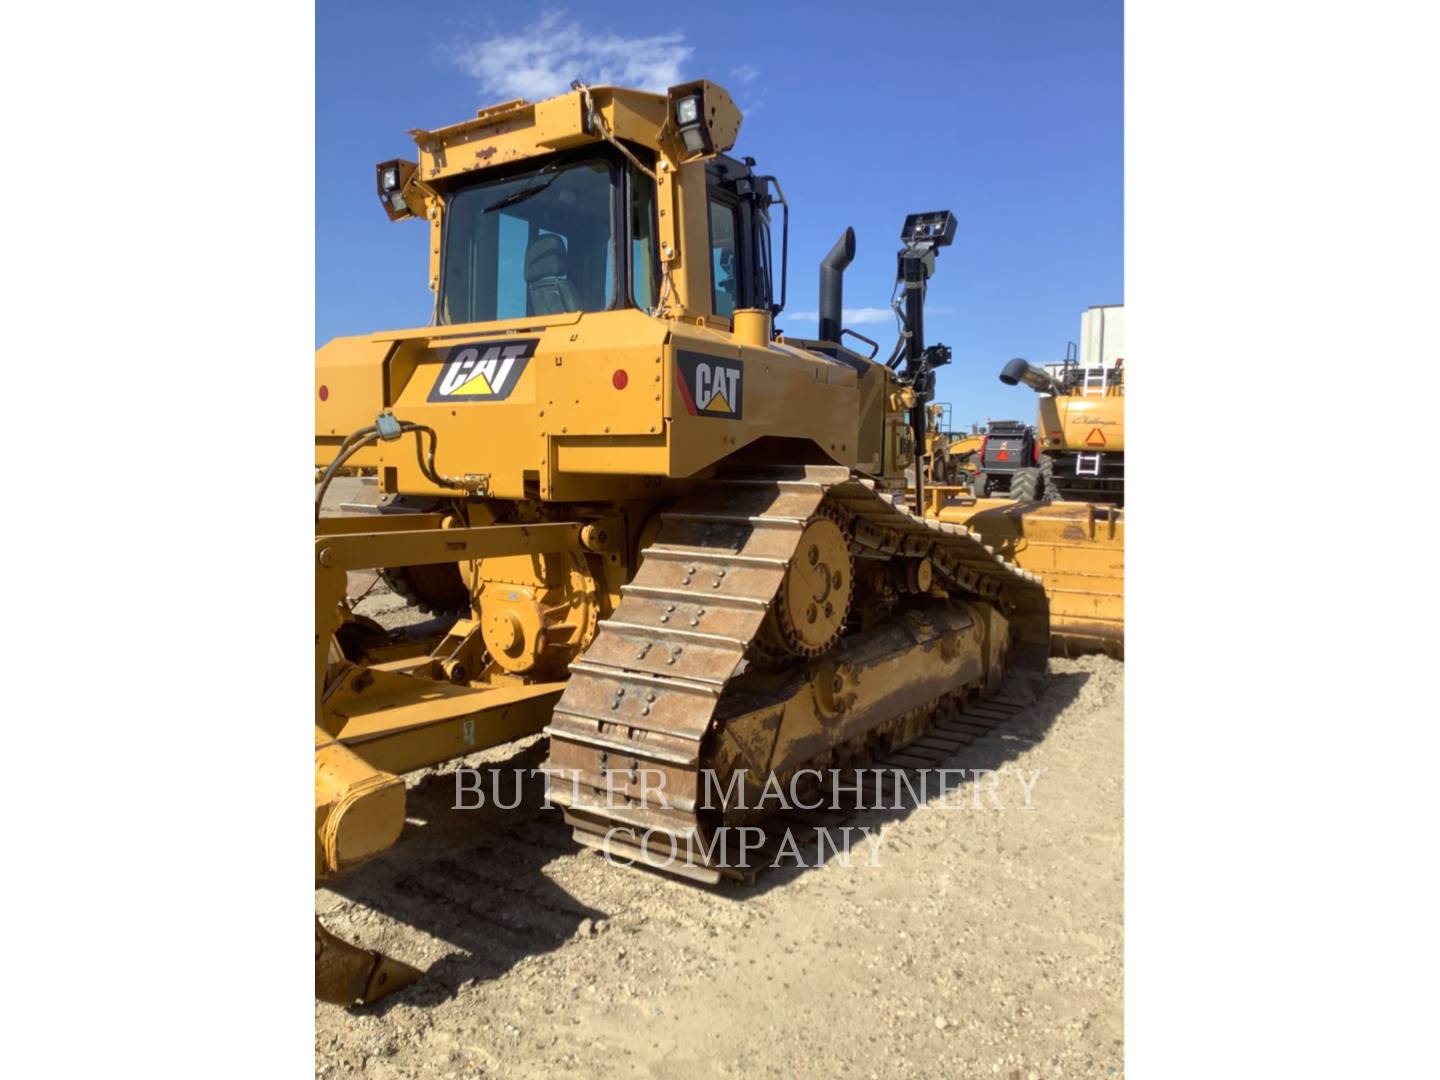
<point>986,942</point>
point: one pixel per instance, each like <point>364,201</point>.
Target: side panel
<point>724,396</point>
<point>349,390</point>
<point>1092,423</point>
<point>873,390</point>
<point>598,407</point>
<point>502,399</point>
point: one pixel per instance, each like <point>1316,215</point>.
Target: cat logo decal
<point>483,370</point>
<point>711,385</point>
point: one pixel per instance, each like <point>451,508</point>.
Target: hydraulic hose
<point>353,442</point>
<point>368,436</point>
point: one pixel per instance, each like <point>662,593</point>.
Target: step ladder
<point>1087,465</point>
<point>1093,379</point>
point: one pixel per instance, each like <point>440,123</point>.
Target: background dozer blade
<point>1077,548</point>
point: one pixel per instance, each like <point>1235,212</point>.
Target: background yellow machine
<point>950,456</point>
<point>684,538</point>
<point>1080,421</point>
<point>1065,520</point>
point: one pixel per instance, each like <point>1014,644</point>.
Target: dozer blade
<point>1077,548</point>
<point>403,723</point>
<point>359,811</point>
<point>346,974</point>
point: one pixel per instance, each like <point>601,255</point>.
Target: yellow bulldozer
<point>950,456</point>
<point>683,535</point>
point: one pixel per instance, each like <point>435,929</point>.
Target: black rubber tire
<point>1025,485</point>
<point>1048,491</point>
<point>978,485</point>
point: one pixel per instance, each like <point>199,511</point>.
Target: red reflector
<point>620,379</point>
<point>324,392</point>
<point>1057,435</point>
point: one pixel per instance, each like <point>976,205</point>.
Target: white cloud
<point>850,316</point>
<point>541,60</point>
<point>745,73</point>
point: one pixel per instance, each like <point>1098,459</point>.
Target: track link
<point>655,687</point>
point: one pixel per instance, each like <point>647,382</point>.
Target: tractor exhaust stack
<point>832,285</point>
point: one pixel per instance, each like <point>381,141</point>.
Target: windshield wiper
<point>535,186</point>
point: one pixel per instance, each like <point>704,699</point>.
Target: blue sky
<point>1008,112</point>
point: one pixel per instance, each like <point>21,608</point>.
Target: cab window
<point>764,287</point>
<point>537,243</point>
<point>724,260</point>
<point>644,246</point>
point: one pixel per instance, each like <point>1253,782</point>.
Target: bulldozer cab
<point>596,200</point>
<point>942,419</point>
<point>578,232</point>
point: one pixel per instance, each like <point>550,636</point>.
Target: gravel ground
<point>985,943</point>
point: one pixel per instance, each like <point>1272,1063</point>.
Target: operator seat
<point>551,291</point>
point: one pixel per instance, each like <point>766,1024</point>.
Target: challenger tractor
<point>683,536</point>
<point>1080,426</point>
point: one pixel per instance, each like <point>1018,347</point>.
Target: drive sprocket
<point>810,609</point>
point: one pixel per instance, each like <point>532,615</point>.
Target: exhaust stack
<point>832,285</point>
<point>1039,380</point>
